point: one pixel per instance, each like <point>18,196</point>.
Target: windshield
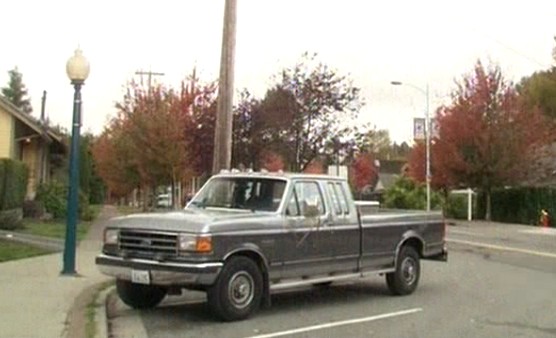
<point>256,194</point>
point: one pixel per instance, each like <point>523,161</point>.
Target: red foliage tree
<point>314,167</point>
<point>363,172</point>
<point>159,135</point>
<point>486,135</point>
<point>272,161</point>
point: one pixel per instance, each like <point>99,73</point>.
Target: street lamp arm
<point>399,83</point>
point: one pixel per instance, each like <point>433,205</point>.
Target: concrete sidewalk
<point>36,299</point>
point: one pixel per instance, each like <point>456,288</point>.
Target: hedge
<point>13,184</point>
<point>520,205</point>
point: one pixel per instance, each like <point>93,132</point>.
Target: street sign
<point>419,128</point>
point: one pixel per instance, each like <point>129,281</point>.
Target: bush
<point>11,219</point>
<point>455,206</point>
<point>407,194</point>
<point>54,197</point>
<point>13,184</point>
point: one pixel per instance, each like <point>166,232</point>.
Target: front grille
<point>147,243</point>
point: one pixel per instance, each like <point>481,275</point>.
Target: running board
<point>288,284</point>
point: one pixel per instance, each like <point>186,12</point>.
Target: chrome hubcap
<point>409,270</point>
<point>240,289</point>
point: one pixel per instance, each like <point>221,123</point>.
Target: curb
<point>101,316</point>
<point>40,241</point>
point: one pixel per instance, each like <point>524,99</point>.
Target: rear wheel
<point>405,279</point>
<point>139,296</point>
<point>238,290</point>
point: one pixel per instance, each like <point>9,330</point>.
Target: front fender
<point>250,249</point>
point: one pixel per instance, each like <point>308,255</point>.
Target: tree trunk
<point>488,213</point>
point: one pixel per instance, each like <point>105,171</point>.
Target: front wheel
<point>139,296</point>
<point>405,279</point>
<point>238,290</point>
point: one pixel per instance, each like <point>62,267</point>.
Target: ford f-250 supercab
<point>245,235</point>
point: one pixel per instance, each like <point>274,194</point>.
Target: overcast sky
<point>375,42</point>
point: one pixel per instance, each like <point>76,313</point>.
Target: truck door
<point>307,244</point>
<point>346,232</point>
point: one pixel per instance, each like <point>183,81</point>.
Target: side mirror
<point>310,208</point>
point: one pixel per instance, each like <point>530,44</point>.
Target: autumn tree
<point>319,103</point>
<point>199,123</point>
<point>362,172</point>
<point>114,159</point>
<point>486,134</point>
<point>160,136</point>
<point>271,161</point>
<point>316,166</point>
<point>16,92</point>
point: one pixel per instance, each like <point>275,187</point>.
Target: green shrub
<point>407,194</point>
<point>455,206</point>
<point>11,219</point>
<point>54,197</point>
<point>13,184</point>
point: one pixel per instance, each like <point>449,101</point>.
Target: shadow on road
<point>314,298</point>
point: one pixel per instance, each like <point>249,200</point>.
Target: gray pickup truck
<point>245,235</point>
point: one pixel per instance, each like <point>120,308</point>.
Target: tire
<point>238,290</point>
<point>405,279</point>
<point>139,296</point>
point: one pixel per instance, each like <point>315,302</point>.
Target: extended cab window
<point>343,197</point>
<point>304,194</point>
<point>333,192</point>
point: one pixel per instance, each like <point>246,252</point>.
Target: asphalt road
<point>500,281</point>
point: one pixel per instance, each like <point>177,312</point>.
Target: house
<point>24,138</point>
<point>389,171</point>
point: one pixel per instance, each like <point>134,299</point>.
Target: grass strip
<point>10,250</point>
<point>90,312</point>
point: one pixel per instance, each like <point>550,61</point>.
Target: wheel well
<point>253,256</point>
<point>416,243</point>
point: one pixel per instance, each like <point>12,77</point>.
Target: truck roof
<point>277,174</point>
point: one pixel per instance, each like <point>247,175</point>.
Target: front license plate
<point>140,277</point>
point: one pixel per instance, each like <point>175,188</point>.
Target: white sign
<point>419,128</point>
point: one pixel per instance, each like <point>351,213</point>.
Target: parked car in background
<point>163,201</point>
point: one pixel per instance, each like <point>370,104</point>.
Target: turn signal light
<point>204,244</point>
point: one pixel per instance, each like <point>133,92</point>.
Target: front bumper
<point>161,273</point>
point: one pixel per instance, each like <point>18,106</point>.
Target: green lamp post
<point>77,69</point>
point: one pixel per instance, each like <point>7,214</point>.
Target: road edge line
<point>339,323</point>
<point>503,248</point>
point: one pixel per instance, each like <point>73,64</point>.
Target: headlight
<point>194,243</point>
<point>111,236</point>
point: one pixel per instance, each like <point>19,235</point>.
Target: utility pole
<point>149,74</point>
<point>222,156</point>
<point>44,154</point>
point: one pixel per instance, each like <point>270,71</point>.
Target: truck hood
<point>194,221</point>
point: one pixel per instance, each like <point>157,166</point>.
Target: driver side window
<point>305,193</point>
